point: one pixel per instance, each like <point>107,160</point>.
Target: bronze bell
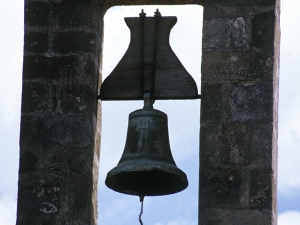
<point>147,167</point>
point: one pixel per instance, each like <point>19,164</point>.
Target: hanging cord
<point>140,216</point>
<point>142,205</point>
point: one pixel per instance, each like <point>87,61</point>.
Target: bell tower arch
<point>59,135</point>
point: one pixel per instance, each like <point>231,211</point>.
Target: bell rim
<point>147,165</point>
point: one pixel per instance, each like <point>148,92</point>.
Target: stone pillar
<point>238,159</point>
<point>62,46</point>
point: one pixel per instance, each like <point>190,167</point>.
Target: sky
<point>177,209</point>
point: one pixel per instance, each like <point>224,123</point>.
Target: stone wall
<point>238,135</point>
<point>62,49</point>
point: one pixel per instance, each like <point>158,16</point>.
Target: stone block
<point>240,2</point>
<point>78,100</point>
<point>247,144</point>
<point>211,102</point>
<point>28,162</point>
<point>263,27</point>
<point>71,131</point>
<point>37,14</point>
<point>220,187</point>
<point>37,97</point>
<point>261,188</point>
<point>49,67</point>
<point>41,198</point>
<point>56,130</point>
<point>224,33</point>
<point>75,42</point>
<point>266,2</point>
<point>90,70</point>
<point>35,42</point>
<point>54,161</point>
<point>210,143</point>
<point>251,102</point>
<point>73,14</point>
<point>61,181</point>
<point>33,133</point>
<point>247,66</point>
<point>79,163</point>
<point>215,216</point>
<point>66,96</point>
<point>82,189</point>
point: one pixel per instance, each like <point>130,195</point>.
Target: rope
<point>140,216</point>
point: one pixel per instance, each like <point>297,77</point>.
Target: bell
<point>147,167</point>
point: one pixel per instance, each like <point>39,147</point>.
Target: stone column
<point>238,159</point>
<point>62,46</point>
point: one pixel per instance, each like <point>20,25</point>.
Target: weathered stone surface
<point>81,98</point>
<point>266,2</point>
<point>59,108</point>
<point>211,102</point>
<point>90,68</point>
<point>210,145</point>
<point>43,198</point>
<point>68,131</point>
<point>250,102</point>
<point>236,145</point>
<point>37,97</point>
<point>52,190</point>
<point>260,195</point>
<point>35,42</point>
<point>66,42</point>
<point>246,144</point>
<point>217,216</point>
<point>27,162</point>
<point>220,187</point>
<point>241,2</point>
<point>223,33</point>
<point>239,113</point>
<point>263,30</point>
<point>110,3</point>
<point>49,67</point>
<point>251,66</point>
<point>80,15</point>
<point>50,98</point>
<point>37,13</point>
<point>62,69</point>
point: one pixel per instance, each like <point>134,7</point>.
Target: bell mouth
<point>146,178</point>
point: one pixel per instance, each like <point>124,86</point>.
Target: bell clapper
<point>142,204</point>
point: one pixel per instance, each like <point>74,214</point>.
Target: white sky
<point>179,209</point>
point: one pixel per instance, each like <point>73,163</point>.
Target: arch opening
<point>183,116</point>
